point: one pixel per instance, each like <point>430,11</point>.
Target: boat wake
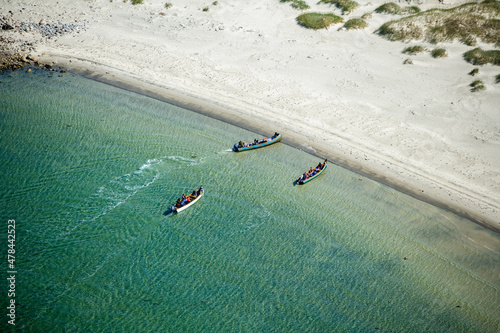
<point>116,192</point>
<point>185,161</point>
<point>120,189</point>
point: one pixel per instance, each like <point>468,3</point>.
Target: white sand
<point>345,95</point>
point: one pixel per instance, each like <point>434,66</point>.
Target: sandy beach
<point>345,95</point>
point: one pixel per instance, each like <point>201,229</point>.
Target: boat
<point>241,146</point>
<point>185,203</point>
<point>311,174</point>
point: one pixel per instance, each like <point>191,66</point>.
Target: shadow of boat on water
<point>168,212</point>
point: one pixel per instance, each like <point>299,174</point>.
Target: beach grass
<point>469,40</point>
<point>479,56</point>
<point>355,23</point>
<point>412,50</point>
<point>465,23</point>
<point>477,85</point>
<point>395,9</point>
<point>318,20</point>
<point>346,6</point>
<point>439,53</point>
<point>297,4</point>
<point>474,72</point>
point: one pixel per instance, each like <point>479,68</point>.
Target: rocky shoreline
<point>18,39</point>
<point>11,60</point>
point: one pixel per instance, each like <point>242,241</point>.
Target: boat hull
<point>180,209</point>
<point>302,182</point>
<point>270,142</point>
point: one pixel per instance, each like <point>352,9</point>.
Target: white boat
<point>177,208</point>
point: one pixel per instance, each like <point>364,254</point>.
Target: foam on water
<point>116,192</point>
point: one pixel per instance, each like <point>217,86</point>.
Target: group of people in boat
<point>312,172</point>
<point>255,142</point>
<point>187,199</point>
<point>184,200</point>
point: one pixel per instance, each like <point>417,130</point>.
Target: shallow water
<point>89,171</point>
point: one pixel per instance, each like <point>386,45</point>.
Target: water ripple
<point>117,191</point>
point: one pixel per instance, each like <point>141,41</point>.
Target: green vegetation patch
<point>392,31</point>
<point>318,20</point>
<point>388,8</point>
<point>439,53</point>
<point>474,72</point>
<point>297,4</point>
<point>477,85</point>
<point>134,2</point>
<point>355,23</point>
<point>394,9</point>
<point>346,6</point>
<point>414,49</point>
<point>469,40</point>
<point>465,23</point>
<point>478,56</point>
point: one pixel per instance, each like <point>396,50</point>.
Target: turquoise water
<point>89,171</point>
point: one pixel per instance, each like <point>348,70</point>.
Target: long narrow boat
<point>312,173</point>
<point>179,207</point>
<point>241,146</point>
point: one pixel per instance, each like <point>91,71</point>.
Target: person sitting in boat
<point>241,144</point>
<point>276,134</point>
<point>188,199</point>
<point>200,190</point>
<point>194,194</point>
